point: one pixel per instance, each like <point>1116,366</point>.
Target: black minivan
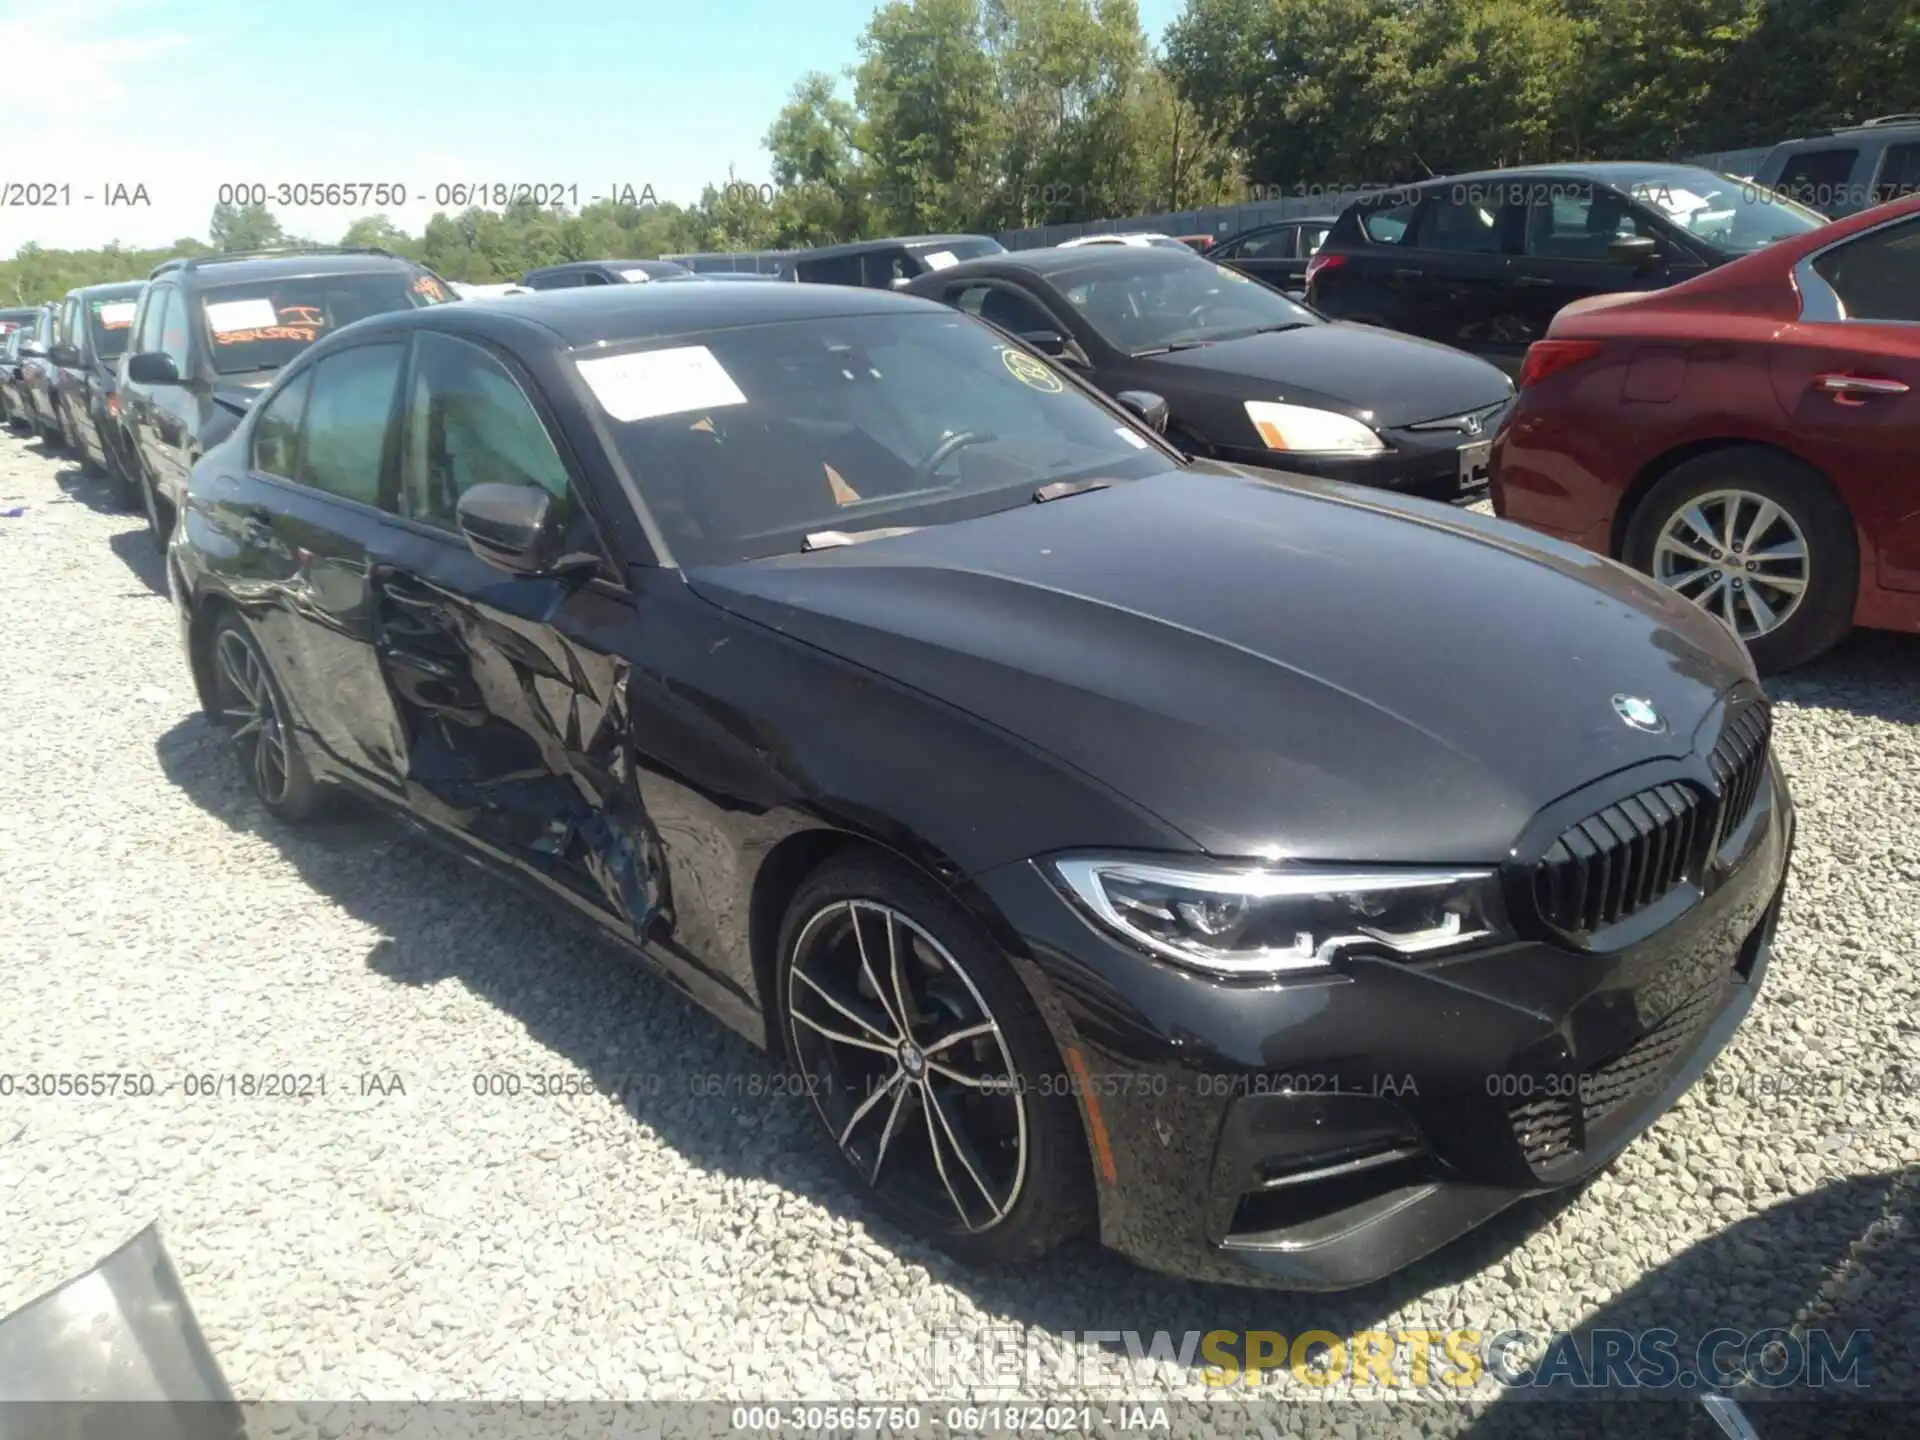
<point>887,264</point>
<point>1484,262</point>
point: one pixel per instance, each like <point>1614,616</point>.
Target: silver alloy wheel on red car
<point>907,1065</point>
<point>1737,555</point>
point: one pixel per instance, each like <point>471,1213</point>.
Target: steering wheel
<point>923,472</point>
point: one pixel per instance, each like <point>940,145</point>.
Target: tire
<point>252,708</point>
<point>1730,490</point>
<point>1023,1134</point>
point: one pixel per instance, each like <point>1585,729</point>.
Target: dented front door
<point>513,703</point>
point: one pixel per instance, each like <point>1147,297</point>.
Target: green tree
<point>244,227</point>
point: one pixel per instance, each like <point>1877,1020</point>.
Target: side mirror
<point>1047,342</point>
<point>1148,406</point>
<point>67,356</point>
<point>512,526</point>
<point>32,350</point>
<point>1639,251</point>
<point>150,367</point>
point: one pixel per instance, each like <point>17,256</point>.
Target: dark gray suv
<point>1847,170</point>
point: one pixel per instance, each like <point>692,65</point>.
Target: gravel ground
<point>409,1238</point>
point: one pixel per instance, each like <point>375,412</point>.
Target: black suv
<point>601,272</point>
<point>886,264</point>
<point>212,331</point>
<point>1847,170</point>
<point>1484,262</point>
<point>96,322</point>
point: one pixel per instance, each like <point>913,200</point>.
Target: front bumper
<point>1324,1133</point>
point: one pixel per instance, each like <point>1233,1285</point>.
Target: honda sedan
<point>1272,877</point>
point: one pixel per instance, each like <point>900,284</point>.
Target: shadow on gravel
<point>136,552</point>
<point>1872,673</point>
<point>1841,1260</point>
<point>96,492</point>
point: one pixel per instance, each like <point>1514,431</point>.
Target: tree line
<point>991,115</point>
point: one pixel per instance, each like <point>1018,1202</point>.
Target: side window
<point>1580,225</point>
<point>69,322</point>
<point>565,280</point>
<point>1899,173</point>
<point>1276,245</point>
<point>836,270</point>
<point>1818,178</point>
<point>146,325</point>
<point>469,423</point>
<point>1462,224</point>
<point>880,268</point>
<point>1312,237</point>
<point>1389,227</point>
<point>1877,275</point>
<point>276,433</point>
<point>1008,309</point>
<point>590,277</point>
<point>173,330</point>
<point>349,412</point>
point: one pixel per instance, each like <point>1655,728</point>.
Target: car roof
<point>1607,172</point>
<point>1077,259</point>
<point>617,314</point>
<point>651,266</point>
<point>212,270</point>
<point>110,290</point>
<point>861,247</point>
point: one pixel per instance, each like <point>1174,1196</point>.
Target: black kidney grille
<point>1620,860</point>
<point>1739,761</point>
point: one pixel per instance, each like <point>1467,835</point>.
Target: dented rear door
<point>511,690</point>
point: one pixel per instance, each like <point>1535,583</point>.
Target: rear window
<point>1819,178</point>
<point>110,324</point>
<point>264,325</point>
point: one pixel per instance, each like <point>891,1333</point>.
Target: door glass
<point>1877,276</point>
<point>1464,224</point>
<point>838,270</point>
<point>1275,246</point>
<point>1389,227</point>
<point>469,423</point>
<point>1008,310</point>
<point>277,431</point>
<point>880,268</point>
<point>1818,177</point>
<point>1899,173</point>
<point>349,412</point>
<point>1580,225</point>
<point>147,323</point>
<point>173,332</point>
<point>1314,236</point>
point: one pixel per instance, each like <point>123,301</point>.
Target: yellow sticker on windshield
<point>1031,372</point>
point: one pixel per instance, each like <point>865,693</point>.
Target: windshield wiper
<point>1061,489</point>
<point>1228,335</point>
<point>833,539</point>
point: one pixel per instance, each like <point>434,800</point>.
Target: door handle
<point>1854,389</point>
<point>1531,280</point>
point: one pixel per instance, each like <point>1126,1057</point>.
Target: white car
<point>467,291</point>
<point>1137,238</point>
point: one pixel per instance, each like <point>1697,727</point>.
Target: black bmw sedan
<point>1274,877</point>
<point>1248,375</point>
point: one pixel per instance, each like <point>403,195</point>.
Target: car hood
<point>1385,378</point>
<point>1293,668</point>
<point>239,395</point>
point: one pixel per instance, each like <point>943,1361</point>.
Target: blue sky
<point>182,95</point>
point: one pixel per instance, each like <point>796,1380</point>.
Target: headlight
<point>1308,431</point>
<point>1251,922</point>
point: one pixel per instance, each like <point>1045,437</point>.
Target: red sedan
<point>1750,437</point>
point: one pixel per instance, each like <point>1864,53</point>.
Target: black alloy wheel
<point>250,709</point>
<point>924,1058</point>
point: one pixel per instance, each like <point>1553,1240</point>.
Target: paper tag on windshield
<point>117,314</point>
<point>228,316</point>
<point>1131,438</point>
<point>651,383</point>
<point>635,277</point>
<point>940,259</point>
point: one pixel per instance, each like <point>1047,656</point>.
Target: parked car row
<point>1040,792</point>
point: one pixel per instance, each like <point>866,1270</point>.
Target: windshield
<point>264,325</point>
<point>1154,305</point>
<point>951,252</point>
<point>745,441</point>
<point>1729,214</point>
<point>110,324</point>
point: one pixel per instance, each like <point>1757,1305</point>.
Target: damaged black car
<point>1100,851</point>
